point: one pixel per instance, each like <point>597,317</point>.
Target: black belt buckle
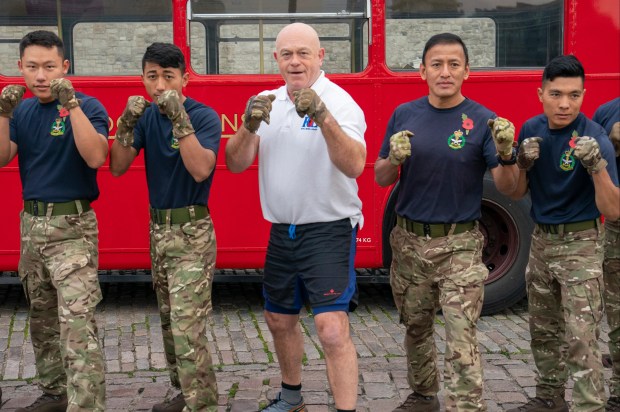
<point>427,229</point>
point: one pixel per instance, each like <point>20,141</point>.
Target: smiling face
<point>158,79</point>
<point>40,65</point>
<point>561,98</point>
<point>299,56</point>
<point>444,69</point>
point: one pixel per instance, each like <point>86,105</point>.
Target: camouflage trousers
<point>58,269</point>
<point>444,273</point>
<point>564,287</point>
<point>611,274</point>
<point>183,266</point>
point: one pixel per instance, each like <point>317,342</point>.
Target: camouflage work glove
<point>9,99</point>
<point>136,105</point>
<point>307,102</point>
<point>62,89</point>
<point>588,152</point>
<point>257,110</point>
<point>503,132</point>
<point>614,136</point>
<point>170,104</point>
<point>400,147</point>
<point>528,152</point>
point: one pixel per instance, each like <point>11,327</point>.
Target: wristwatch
<point>509,162</point>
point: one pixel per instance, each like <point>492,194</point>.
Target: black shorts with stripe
<point>311,263</point>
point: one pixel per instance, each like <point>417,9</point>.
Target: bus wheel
<point>507,229</point>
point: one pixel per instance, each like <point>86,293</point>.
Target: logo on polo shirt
<point>308,124</point>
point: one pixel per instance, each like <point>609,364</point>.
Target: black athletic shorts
<point>311,263</point>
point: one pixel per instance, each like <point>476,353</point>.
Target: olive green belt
<point>567,227</point>
<point>433,229</point>
<point>179,215</point>
<point>38,208</point>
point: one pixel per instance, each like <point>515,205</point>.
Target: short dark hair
<point>165,55</point>
<point>43,38</point>
<point>563,66</point>
<point>444,38</point>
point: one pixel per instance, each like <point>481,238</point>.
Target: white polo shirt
<point>297,180</point>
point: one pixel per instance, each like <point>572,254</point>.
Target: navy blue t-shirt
<point>170,184</point>
<point>562,191</point>
<point>450,152</point>
<point>607,115</point>
<point>50,166</point>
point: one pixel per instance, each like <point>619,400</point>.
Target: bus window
<point>232,37</point>
<point>102,37</point>
<point>498,33</point>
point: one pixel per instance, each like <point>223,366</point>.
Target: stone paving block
<point>379,390</point>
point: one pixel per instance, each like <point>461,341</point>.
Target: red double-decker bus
<point>373,50</point>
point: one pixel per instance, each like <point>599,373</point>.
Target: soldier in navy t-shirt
<point>61,139</point>
<point>180,138</point>
<point>608,116</point>
<point>566,163</point>
<point>442,146</point>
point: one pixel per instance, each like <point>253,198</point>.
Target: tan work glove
<point>400,147</point>
<point>9,99</point>
<point>503,132</point>
<point>257,110</point>
<point>62,89</point>
<point>136,106</point>
<point>588,151</point>
<point>172,107</point>
<point>528,152</point>
<point>307,102</point>
<point>614,136</point>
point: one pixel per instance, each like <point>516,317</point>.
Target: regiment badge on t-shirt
<point>174,143</point>
<point>456,140</point>
<point>567,161</point>
<point>58,126</point>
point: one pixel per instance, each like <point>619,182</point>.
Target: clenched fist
<point>170,104</point>
<point>257,110</point>
<point>62,89</point>
<point>588,151</point>
<point>307,102</point>
<point>528,152</point>
<point>400,147</point>
<point>614,136</point>
<point>136,105</point>
<point>9,99</point>
<point>503,132</point>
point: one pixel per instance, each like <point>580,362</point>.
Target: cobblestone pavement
<point>242,348</point>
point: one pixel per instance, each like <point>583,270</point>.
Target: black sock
<point>345,410</point>
<point>291,393</point>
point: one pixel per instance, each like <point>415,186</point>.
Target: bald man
<point>310,137</point>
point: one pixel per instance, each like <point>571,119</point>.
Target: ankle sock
<point>291,393</point>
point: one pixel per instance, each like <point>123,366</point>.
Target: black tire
<point>507,228</point>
